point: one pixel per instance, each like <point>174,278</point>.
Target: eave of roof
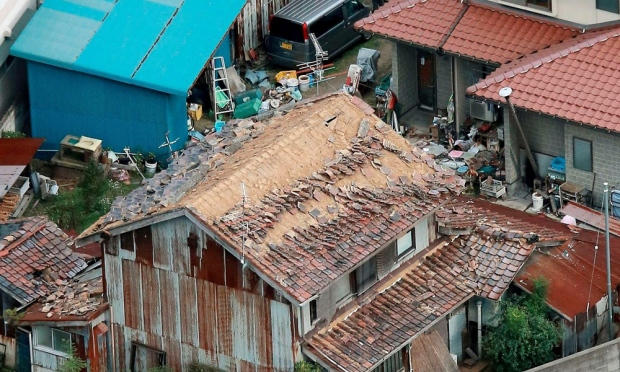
<point>456,28</point>
<point>577,80</point>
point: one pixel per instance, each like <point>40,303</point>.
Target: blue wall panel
<point>225,50</point>
<point>67,102</point>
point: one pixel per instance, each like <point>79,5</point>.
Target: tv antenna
<point>317,65</point>
<point>239,217</point>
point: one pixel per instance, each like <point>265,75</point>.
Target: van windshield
<point>286,29</point>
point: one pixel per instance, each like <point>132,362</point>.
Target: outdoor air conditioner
<point>481,110</point>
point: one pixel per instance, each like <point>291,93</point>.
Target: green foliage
<point>78,208</point>
<point>73,363</point>
<point>307,367</point>
<point>202,367</point>
<point>12,134</point>
<point>525,337</point>
<point>11,316</point>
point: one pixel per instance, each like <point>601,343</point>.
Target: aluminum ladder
<point>221,96</point>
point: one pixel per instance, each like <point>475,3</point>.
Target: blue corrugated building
<point>119,70</point>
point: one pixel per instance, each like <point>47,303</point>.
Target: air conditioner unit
<point>481,110</point>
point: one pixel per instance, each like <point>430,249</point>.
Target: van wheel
<point>366,37</point>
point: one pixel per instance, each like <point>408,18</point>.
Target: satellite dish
<point>505,92</point>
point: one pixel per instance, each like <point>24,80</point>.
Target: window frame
<point>313,313</point>
<point>591,155</point>
<point>400,254</point>
<point>548,8</point>
<point>608,6</point>
<point>52,349</point>
<point>363,285</point>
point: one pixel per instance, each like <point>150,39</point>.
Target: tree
<point>525,337</point>
<point>73,363</point>
<point>304,366</point>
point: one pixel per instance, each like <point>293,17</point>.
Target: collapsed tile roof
<point>69,300</point>
<point>575,272</point>
<point>33,254</point>
<point>463,213</point>
<point>483,263</point>
<point>328,184</point>
<point>472,30</point>
<point>576,80</point>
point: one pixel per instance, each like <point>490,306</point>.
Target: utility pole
<point>610,309</point>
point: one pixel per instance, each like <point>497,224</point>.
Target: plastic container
<point>292,83</point>
<point>304,83</point>
<point>286,75</point>
<point>311,77</point>
<point>537,201</point>
<point>149,168</point>
<point>219,125</point>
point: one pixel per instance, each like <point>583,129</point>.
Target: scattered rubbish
<point>120,175</point>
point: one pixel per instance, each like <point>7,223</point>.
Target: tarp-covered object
<point>368,59</point>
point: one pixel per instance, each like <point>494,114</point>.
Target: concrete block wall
<point>602,358</point>
<point>544,133</point>
<point>443,83</point>
<point>605,157</point>
<point>404,75</point>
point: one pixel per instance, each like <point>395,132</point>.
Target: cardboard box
<point>195,111</point>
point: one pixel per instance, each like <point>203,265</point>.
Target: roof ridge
<point>549,54</point>
<point>500,233</point>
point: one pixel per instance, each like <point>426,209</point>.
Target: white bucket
<point>537,201</point>
<point>149,169</point>
<point>304,83</point>
<point>292,83</point>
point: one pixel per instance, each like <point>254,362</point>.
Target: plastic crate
<point>493,188</point>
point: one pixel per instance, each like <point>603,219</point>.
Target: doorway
<point>426,80</point>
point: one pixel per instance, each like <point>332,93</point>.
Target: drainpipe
<point>479,305</point>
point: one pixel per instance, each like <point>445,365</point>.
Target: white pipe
<point>14,15</point>
<point>479,304</point>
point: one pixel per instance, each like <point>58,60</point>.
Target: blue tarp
<point>158,44</point>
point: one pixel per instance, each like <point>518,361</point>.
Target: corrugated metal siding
<point>10,350</point>
<point>117,113</point>
<point>193,319</point>
<point>253,23</point>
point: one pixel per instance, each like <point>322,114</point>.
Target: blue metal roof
<point>158,44</point>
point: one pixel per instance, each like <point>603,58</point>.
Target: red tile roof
<point>422,291</point>
<point>34,246</point>
<point>480,32</point>
<point>493,35</point>
<point>421,22</point>
<point>463,213</point>
<point>569,271</point>
<point>577,80</point>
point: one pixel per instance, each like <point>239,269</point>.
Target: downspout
<point>479,305</point>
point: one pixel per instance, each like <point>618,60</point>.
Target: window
<point>153,357</point>
<point>545,4</point>
<point>352,7</point>
<point>608,5</point>
<point>582,154</point>
<point>285,29</point>
<point>405,244</point>
<point>366,275</point>
<point>313,313</point>
<point>327,22</point>
<point>54,339</point>
<point>127,241</point>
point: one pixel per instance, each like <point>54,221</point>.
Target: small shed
<point>119,70</point>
